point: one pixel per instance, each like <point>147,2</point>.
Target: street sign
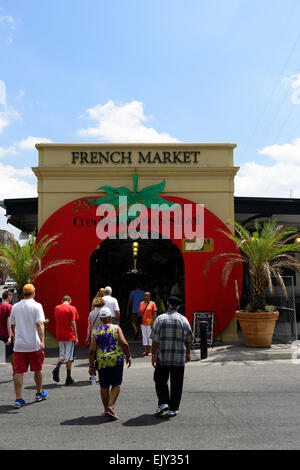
<point>209,318</point>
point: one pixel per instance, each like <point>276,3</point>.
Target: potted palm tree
<point>266,252</point>
<point>24,263</point>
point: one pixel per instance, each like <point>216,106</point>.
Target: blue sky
<point>159,70</point>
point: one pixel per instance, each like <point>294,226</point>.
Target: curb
<point>226,353</point>
<point>243,354</point>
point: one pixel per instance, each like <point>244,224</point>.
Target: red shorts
<point>23,359</point>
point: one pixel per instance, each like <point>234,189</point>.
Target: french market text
<point>116,157</point>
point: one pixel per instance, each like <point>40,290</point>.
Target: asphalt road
<point>232,405</point>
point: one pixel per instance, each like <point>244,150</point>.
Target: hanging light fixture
<point>135,250</point>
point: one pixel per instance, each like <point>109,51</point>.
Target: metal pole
<point>203,339</point>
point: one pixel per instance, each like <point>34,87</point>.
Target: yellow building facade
<point>198,172</point>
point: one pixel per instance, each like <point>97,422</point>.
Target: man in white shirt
<point>27,323</point>
<point>112,304</point>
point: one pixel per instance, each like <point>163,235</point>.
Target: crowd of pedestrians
<point>166,336</point>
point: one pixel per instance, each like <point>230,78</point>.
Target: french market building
<point>69,177</point>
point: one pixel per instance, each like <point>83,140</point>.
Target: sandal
<point>111,414</point>
<point>143,354</point>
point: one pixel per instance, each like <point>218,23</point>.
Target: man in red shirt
<point>6,334</point>
<point>65,316</point>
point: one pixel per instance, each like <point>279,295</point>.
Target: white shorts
<point>66,350</point>
<point>146,332</point>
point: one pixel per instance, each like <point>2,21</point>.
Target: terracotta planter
<point>257,327</point>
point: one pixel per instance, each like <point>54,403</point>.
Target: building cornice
<point>68,172</point>
<point>77,145</point>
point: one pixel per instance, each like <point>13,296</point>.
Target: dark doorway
<point>159,265</point>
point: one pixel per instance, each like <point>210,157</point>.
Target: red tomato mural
<point>77,222</point>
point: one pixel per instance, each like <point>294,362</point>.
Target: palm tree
<point>24,263</point>
<point>267,252</point>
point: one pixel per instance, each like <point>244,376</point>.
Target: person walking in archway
<point>147,312</point>
<point>100,294</point>
<point>108,346</point>
<point>136,296</point>
<point>94,320</point>
<point>113,305</point>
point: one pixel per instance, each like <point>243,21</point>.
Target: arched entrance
<point>77,223</point>
<point>158,266</point>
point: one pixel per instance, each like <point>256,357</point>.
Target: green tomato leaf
<point>102,200</point>
<point>152,190</point>
<point>160,200</point>
<point>135,179</point>
<point>122,190</point>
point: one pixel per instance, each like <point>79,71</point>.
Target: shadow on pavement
<point>45,387</point>
<point>9,409</point>
<point>87,421</point>
<point>53,386</point>
<point>146,420</point>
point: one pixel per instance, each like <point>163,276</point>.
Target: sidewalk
<point>240,352</point>
<point>219,353</point>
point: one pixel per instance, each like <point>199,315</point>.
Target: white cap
<point>105,312</point>
<point>108,289</point>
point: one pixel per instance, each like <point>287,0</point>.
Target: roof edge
<point>141,144</point>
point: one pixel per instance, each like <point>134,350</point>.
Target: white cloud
<point>7,151</point>
<point>4,121</point>
<point>20,94</point>
<point>284,153</point>
<point>6,117</point>
<point>258,180</point>
<point>122,123</point>
<point>27,144</point>
<point>4,225</point>
<point>277,180</point>
<point>13,184</point>
<point>8,24</point>
<point>6,114</point>
<point>294,81</point>
<point>30,141</point>
<point>6,20</point>
<point>2,93</point>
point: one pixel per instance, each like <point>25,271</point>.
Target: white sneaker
<point>161,409</point>
<point>172,413</point>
